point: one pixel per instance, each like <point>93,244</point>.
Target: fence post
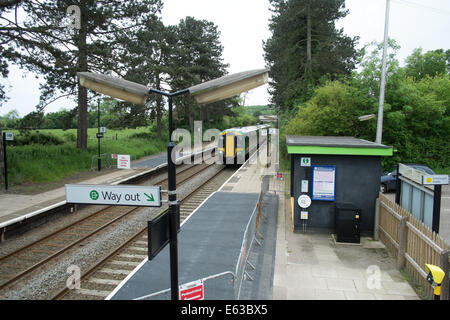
<point>377,219</point>
<point>401,260</point>
<point>445,284</point>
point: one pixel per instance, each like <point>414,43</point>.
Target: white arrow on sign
<point>140,196</point>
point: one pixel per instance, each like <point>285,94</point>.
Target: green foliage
<point>305,46</point>
<point>432,63</point>
<point>416,114</point>
<point>9,120</point>
<point>44,42</point>
<point>36,137</point>
<point>44,163</point>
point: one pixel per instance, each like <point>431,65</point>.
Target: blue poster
<point>324,183</point>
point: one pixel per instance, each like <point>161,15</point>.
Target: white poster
<point>324,183</point>
<point>123,161</point>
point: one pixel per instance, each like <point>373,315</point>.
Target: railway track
<point>19,264</point>
<point>99,281</point>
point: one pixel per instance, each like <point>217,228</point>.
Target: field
<point>38,163</point>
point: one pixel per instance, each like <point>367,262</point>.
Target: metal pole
<point>173,208</point>
<point>4,160</point>
<point>174,205</point>
<point>383,77</point>
<point>436,207</point>
<point>398,186</point>
<point>99,160</point>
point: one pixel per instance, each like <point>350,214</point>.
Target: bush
<point>69,136</point>
<point>36,137</point>
<point>143,135</point>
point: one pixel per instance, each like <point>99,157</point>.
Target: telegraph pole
<point>383,77</point>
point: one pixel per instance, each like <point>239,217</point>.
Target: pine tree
<point>57,43</point>
<point>196,58</point>
<point>305,46</point>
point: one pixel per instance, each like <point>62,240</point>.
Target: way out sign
<point>139,196</point>
<point>192,291</point>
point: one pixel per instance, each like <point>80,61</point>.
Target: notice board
<point>324,183</point>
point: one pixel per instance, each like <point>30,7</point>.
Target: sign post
<point>437,180</point>
<point>99,136</point>
<point>7,136</point>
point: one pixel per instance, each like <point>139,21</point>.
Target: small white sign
<point>304,215</point>
<point>141,196</point>
<point>272,131</point>
<point>192,291</point>
<point>102,129</point>
<point>437,179</point>
<point>304,201</point>
<point>305,162</point>
<point>123,161</point>
<point>9,136</point>
<point>304,185</point>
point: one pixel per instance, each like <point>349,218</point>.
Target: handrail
<point>217,275</point>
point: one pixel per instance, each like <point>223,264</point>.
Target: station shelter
<point>332,173</point>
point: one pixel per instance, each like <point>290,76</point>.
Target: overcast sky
<point>244,25</point>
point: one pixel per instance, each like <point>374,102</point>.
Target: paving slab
<point>311,266</point>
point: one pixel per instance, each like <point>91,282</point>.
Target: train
<point>236,145</point>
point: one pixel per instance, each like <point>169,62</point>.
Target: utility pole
<point>383,77</point>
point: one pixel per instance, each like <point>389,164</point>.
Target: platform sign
<point>192,291</point>
<point>436,179</point>
<point>9,136</point>
<point>123,161</point>
<point>139,196</point>
<point>103,129</point>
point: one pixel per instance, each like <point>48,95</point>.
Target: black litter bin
<point>347,218</point>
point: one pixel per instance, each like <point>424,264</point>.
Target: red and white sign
<point>123,161</point>
<point>192,291</point>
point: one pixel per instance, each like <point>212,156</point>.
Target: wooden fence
<point>413,244</point>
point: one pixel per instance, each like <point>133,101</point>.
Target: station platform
<point>215,244</point>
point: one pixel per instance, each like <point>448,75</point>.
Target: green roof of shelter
<point>335,146</point>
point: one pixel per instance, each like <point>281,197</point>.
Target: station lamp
<point>204,93</point>
<point>366,117</point>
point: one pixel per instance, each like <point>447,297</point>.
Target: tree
<point>44,42</point>
<point>416,114</point>
<point>431,63</point>
<point>196,57</point>
<point>147,53</point>
<point>305,46</point>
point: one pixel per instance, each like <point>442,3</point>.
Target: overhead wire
<point>411,4</point>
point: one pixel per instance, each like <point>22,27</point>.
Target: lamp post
<point>207,92</point>
<point>174,204</point>
<point>99,160</point>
